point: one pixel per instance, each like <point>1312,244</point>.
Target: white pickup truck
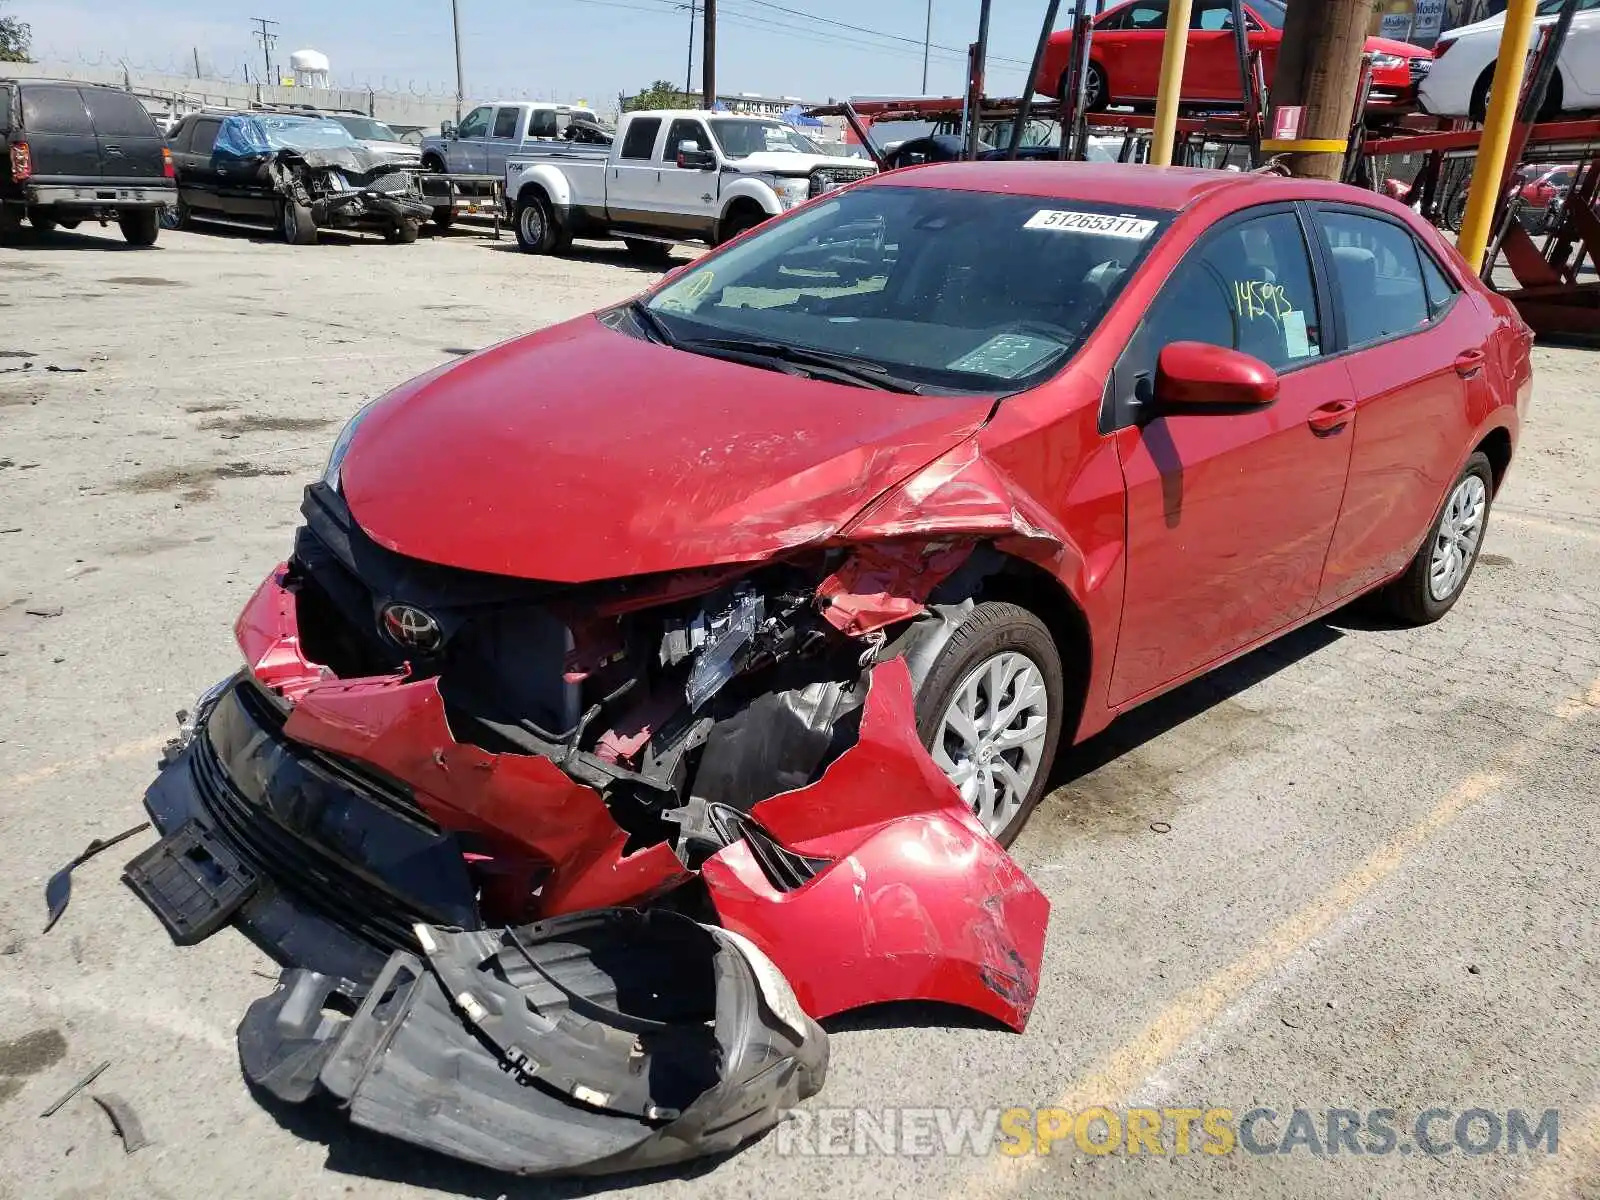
<point>670,176</point>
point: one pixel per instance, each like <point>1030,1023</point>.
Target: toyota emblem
<point>413,628</point>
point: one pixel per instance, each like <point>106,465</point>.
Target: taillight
<point>21,161</point>
<point>166,163</point>
<point>1440,47</point>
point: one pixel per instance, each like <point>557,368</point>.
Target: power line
<point>917,42</point>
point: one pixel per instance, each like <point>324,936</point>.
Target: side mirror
<point>692,158</point>
<point>1204,378</point>
<point>447,129</point>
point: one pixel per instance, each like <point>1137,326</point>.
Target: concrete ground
<point>1352,871</point>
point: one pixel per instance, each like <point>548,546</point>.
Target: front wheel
<point>298,226</point>
<point>1438,574</point>
<point>402,233</point>
<point>443,218</point>
<point>42,219</point>
<point>990,711</point>
<point>140,227</point>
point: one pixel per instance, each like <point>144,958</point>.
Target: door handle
<point>1469,363</point>
<point>1331,418</point>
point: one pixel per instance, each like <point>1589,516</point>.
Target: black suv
<point>71,151</point>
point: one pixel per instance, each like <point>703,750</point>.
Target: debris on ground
<point>124,1120</point>
<point>75,1089</point>
<point>58,889</point>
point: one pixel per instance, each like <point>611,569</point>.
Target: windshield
<point>368,130</point>
<point>1272,12</point>
<point>740,138</point>
<point>952,290</point>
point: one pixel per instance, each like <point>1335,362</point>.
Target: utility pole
<point>461,86</point>
<point>268,40</point>
<point>688,71</point>
<point>1319,72</point>
<point>976,83</point>
<point>927,45</point>
<point>708,56</point>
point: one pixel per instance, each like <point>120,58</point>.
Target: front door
<point>688,195</point>
<point>1230,515</point>
<point>466,150</point>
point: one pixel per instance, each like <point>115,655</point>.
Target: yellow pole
<point>1503,96</point>
<point>1172,56</point>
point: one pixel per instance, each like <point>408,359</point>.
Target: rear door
<point>60,135</point>
<point>633,191</point>
<point>505,137</point>
<point>130,143</point>
<point>198,181</point>
<point>1229,515</point>
<point>1416,355</point>
<point>1131,55</point>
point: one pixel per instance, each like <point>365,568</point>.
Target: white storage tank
<point>310,68</point>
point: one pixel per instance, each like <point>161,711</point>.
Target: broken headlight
<point>341,446</point>
<point>733,632</point>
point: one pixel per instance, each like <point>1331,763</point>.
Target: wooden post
<point>1319,70</point>
<point>708,56</point>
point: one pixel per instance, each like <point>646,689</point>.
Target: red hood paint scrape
<point>580,453</point>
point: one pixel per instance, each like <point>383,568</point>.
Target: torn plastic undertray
<point>608,1041</point>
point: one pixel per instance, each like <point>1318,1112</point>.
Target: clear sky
<point>565,49</point>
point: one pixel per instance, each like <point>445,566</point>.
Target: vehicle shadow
<point>264,235</point>
<point>608,254</point>
<point>1160,716</point>
<point>352,1150</point>
<point>91,237</point>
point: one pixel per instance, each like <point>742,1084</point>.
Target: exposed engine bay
<point>349,188</point>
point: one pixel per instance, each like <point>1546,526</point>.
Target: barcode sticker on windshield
<point>1083,222</point>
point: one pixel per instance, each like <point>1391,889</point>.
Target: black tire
<point>1455,210</point>
<point>1098,96</point>
<point>740,221</point>
<point>536,225</point>
<point>1411,597</point>
<point>10,219</point>
<point>433,165</point>
<point>69,222</point>
<point>42,218</point>
<point>644,248</point>
<point>176,216</point>
<point>402,233</point>
<point>992,628</point>
<point>296,224</point>
<point>443,218</point>
<point>140,226</point>
<point>1478,105</point>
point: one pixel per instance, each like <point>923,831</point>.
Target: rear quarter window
<point>8,97</point>
<point>55,110</point>
<point>117,114</point>
<point>640,140</point>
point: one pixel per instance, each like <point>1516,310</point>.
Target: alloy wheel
<point>1460,531</point>
<point>532,225</point>
<point>991,738</point>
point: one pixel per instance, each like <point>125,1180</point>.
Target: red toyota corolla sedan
<point>776,591</point>
<point>1125,63</point>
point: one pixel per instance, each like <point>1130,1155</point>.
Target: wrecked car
<point>294,172</point>
<point>764,601</point>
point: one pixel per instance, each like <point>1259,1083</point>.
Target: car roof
<point>1136,184</point>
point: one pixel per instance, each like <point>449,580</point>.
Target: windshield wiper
<point>843,368</point>
<point>653,324</point>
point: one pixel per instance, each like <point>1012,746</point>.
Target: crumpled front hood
<point>356,160</point>
<point>580,454</point>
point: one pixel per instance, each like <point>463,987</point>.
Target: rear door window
<point>505,122</point>
<point>1377,276</point>
<point>204,137</point>
<point>543,124</point>
<point>640,142</point>
<point>117,114</point>
<point>1440,290</point>
<point>1146,16</point>
<point>50,109</point>
<point>7,99</point>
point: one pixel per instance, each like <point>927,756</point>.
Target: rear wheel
<point>295,222</point>
<point>1438,574</point>
<point>990,712</point>
<point>536,225</point>
<point>175,216</point>
<point>42,219</point>
<point>140,226</point>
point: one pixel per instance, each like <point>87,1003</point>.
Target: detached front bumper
<point>369,207</point>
